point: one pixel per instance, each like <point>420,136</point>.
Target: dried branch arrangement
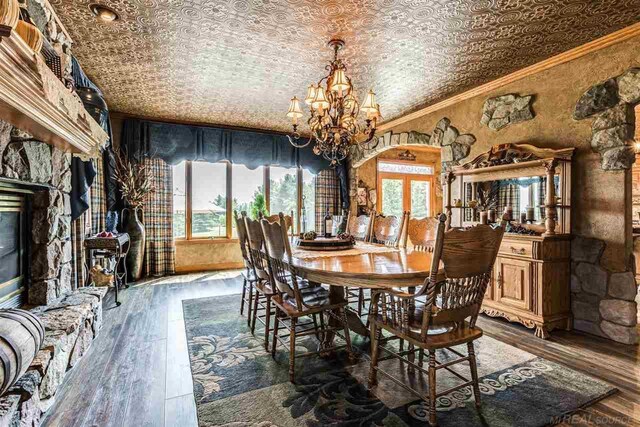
<point>134,180</point>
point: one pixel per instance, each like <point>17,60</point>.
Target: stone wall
<point>602,303</point>
<point>601,198</point>
<point>33,162</point>
<point>71,324</point>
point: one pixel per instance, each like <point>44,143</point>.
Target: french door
<point>399,192</point>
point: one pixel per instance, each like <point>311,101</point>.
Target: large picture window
<point>205,195</point>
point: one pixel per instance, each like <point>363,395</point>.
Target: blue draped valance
<point>175,143</point>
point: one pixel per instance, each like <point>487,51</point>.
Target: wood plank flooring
<point>137,371</point>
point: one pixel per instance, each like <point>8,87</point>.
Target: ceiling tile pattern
<point>238,62</point>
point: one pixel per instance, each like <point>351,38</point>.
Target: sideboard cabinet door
<point>513,283</point>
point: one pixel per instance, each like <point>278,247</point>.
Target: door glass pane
<point>308,201</point>
<point>179,201</point>
<point>420,199</point>
<point>392,197</point>
<point>284,192</point>
<point>209,202</point>
<point>247,190</point>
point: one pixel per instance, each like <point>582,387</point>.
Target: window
<point>404,186</point>
<point>205,195</point>
<point>209,200</point>
<point>412,169</point>
<point>308,208</point>
<point>247,189</point>
<point>283,192</point>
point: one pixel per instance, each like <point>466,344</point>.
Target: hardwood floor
<point>137,371</point>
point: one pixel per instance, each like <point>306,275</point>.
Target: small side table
<point>111,248</point>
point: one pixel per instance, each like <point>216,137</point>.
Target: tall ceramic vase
<point>134,227</point>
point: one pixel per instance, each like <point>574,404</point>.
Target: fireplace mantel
<point>33,99</point>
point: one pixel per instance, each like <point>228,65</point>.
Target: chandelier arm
<point>294,142</point>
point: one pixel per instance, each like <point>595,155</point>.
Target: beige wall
<point>599,197</point>
<point>203,255</point>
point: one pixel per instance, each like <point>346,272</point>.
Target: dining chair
<point>447,317</point>
<point>296,298</point>
<point>288,219</point>
<point>263,288</point>
<point>390,230</point>
<point>249,278</point>
<point>422,233</point>
<point>359,226</point>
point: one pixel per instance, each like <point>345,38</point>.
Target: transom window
<point>205,195</point>
<point>407,168</point>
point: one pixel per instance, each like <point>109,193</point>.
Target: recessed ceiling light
<point>104,13</point>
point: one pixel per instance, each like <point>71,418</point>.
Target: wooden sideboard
<point>532,273</point>
<point>531,283</point>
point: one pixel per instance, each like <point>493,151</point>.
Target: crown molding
<point>575,53</point>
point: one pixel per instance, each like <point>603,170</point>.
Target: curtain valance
<point>174,143</point>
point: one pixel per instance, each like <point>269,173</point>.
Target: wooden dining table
<point>396,268</point>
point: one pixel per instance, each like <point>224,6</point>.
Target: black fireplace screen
<point>12,248</point>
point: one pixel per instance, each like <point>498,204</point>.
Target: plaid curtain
<point>509,195</point>
<point>542,196</point>
<point>98,200</point>
<point>158,220</point>
<point>327,196</point>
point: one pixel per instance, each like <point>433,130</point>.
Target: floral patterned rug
<point>237,383</point>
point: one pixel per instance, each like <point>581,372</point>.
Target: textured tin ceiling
<point>238,62</point>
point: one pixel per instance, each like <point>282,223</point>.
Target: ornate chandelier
<point>334,112</point>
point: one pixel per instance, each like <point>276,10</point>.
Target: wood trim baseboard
<point>196,268</point>
<point>564,57</point>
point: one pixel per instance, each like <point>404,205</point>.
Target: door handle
<point>517,251</point>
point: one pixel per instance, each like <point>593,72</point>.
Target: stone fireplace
<point>39,175</point>
<point>37,269</point>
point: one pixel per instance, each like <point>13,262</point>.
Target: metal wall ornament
<point>334,112</point>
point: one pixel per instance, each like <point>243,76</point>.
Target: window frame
<point>406,184</point>
<point>266,180</point>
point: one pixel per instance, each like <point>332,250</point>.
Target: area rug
<point>237,383</point>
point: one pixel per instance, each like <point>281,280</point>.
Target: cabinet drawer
<point>510,247</point>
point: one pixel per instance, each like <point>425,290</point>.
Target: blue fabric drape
<point>175,143</point>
